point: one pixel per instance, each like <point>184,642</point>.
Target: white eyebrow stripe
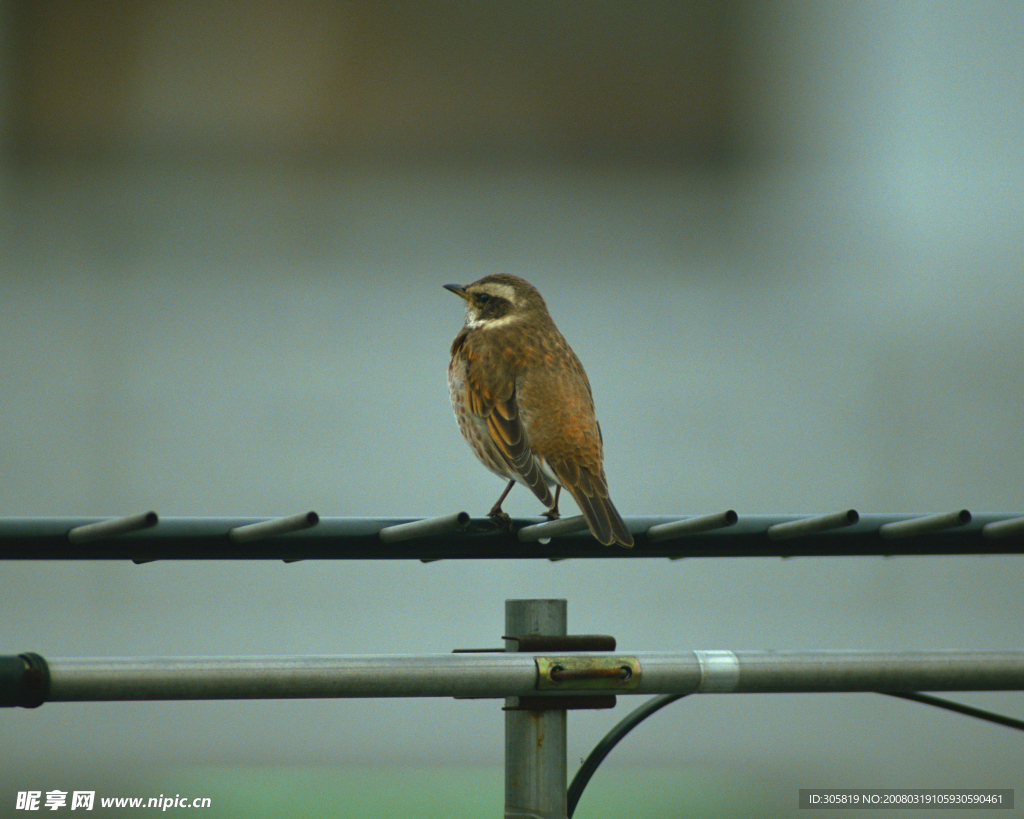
<point>503,291</point>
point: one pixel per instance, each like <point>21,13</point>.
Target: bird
<point>524,404</point>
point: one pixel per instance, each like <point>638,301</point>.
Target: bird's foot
<point>500,517</point>
<point>552,512</point>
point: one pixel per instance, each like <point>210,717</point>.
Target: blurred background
<point>785,238</point>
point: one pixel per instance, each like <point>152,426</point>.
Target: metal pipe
<point>461,537</point>
<point>774,672</point>
<point>512,674</point>
<point>1004,528</point>
<point>272,527</point>
<point>424,528</point>
<point>812,525</point>
<point>552,528</point>
<point>535,741</point>
<point>691,526</point>
<point>925,525</point>
<point>112,527</point>
<point>78,679</point>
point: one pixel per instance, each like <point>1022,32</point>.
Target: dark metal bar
<point>554,644</point>
<point>270,528</point>
<point>112,527</point>
<point>461,537</point>
<point>809,526</point>
<point>24,681</point>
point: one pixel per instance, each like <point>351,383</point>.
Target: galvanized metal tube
<point>770,672</point>
<point>535,741</point>
<point>77,679</point>
<point>880,671</point>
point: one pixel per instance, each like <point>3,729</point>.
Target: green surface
<point>422,792</point>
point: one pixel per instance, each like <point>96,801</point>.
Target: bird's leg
<point>501,517</point>
<point>552,513</point>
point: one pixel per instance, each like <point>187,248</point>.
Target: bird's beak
<point>458,290</point>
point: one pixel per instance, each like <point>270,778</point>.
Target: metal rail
<point>535,674</point>
<point>308,536</point>
<point>501,675</point>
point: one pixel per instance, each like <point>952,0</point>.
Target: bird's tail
<point>591,495</point>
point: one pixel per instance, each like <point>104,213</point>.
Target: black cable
<point>638,715</point>
<point>610,740</point>
<point>958,707</point>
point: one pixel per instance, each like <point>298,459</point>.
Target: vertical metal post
<point>535,741</point>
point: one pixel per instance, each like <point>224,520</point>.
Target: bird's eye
<point>483,298</point>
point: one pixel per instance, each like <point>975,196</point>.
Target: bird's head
<point>497,300</point>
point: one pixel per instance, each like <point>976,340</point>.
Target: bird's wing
<point>491,395</point>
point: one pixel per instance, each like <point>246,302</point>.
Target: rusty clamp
<point>595,677</point>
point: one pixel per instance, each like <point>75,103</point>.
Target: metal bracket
<point>590,696</point>
<point>527,643</point>
<point>587,673</point>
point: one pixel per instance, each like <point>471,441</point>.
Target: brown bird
<point>524,405</point>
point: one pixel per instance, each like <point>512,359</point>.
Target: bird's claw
<point>501,518</point>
